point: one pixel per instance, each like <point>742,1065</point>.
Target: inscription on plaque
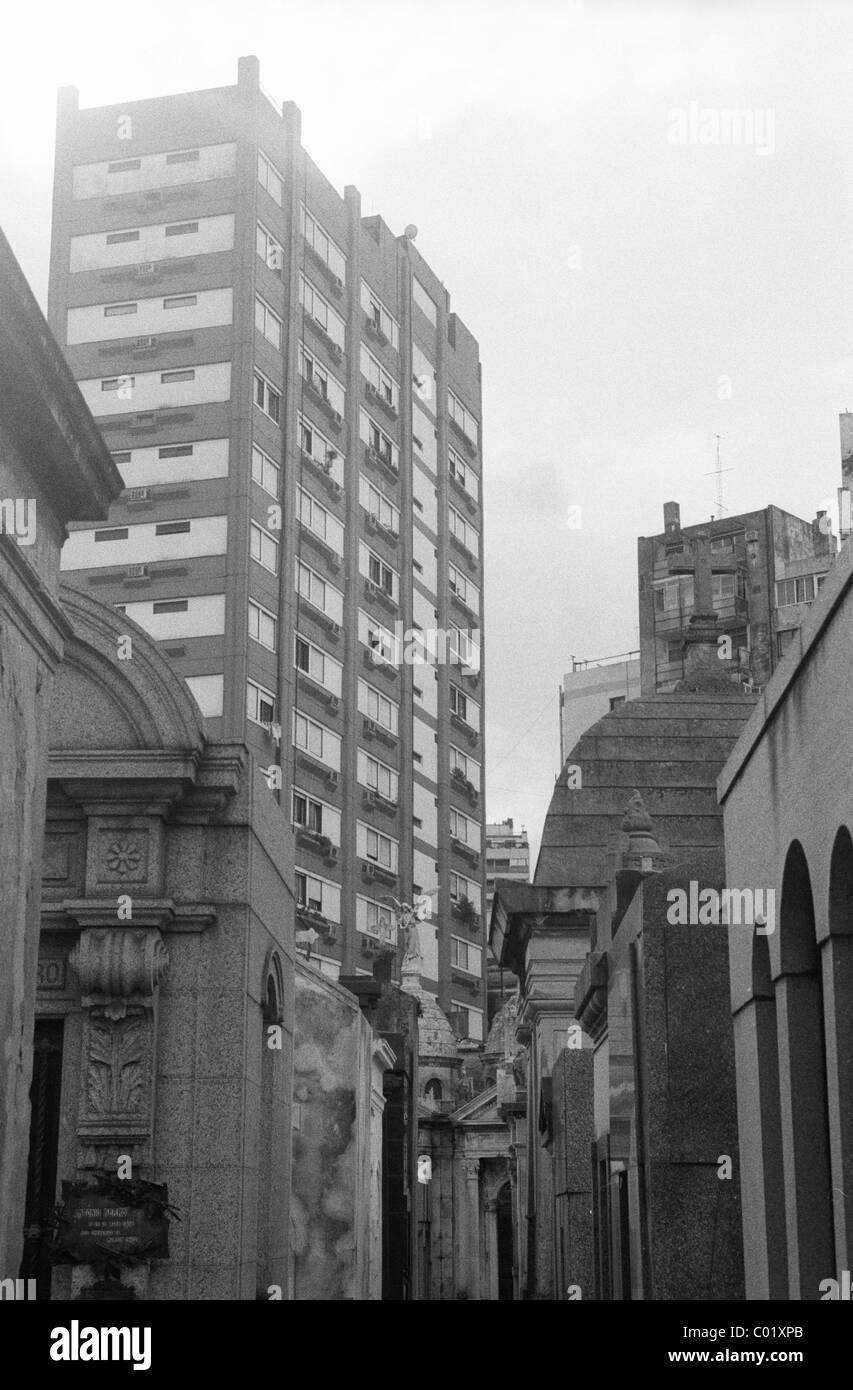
<point>94,1225</point>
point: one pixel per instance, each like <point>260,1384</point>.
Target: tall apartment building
<point>592,689</point>
<point>767,568</point>
<point>296,413</point>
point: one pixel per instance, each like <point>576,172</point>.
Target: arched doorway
<point>506,1280</point>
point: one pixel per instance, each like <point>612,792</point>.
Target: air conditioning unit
<point>339,284</point>
<point>373,520</point>
<point>334,702</point>
<point>331,855</point>
<point>371,389</point>
<point>137,494</point>
<point>333,778</point>
<point>370,798</point>
<point>370,726</point>
<point>145,342</point>
<point>335,629</point>
<point>136,572</point>
<point>275,258</point>
<point>367,869</point>
<point>338,417</point>
<point>336,351</point>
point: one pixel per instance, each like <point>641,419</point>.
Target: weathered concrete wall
<point>330,1204</point>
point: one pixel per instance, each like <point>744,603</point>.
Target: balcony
<point>375,396</point>
<point>467,851</point>
<point>371,729</point>
<point>384,462</point>
<point>460,782</point>
<point>375,801</point>
<point>371,327</point>
<point>372,523</point>
<point>311,919</point>
<point>318,395</point>
<point>379,595</point>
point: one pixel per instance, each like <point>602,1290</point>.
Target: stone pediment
<point>101,701</point>
<point>482,1110</point>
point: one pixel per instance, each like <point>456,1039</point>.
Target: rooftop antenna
<point>718,471</point>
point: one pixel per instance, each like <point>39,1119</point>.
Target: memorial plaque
<point>95,1224</point>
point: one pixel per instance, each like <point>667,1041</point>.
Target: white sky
<point>512,134</point>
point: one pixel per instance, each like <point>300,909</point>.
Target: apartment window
<point>270,250</point>
<point>183,157</point>
<point>381,318</point>
<point>674,595</point>
<point>172,528</point>
<point>463,473</point>
<point>376,439</point>
<point>267,397</point>
<point>377,637</point>
<point>260,704</point>
<point>170,378</point>
<point>180,301</point>
<point>269,178</point>
<point>458,703</point>
<point>375,919</point>
<point>114,533</point>
<point>464,532</point>
<point>381,380</point>
<point>376,504</point>
<point>466,956</point>
<point>464,889</point>
<point>318,895</point>
<point>307,812</point>
<point>321,311</point>
<point>268,323</point>
<point>374,568</point>
<point>113,310</point>
<point>378,707</point>
<point>173,451</point>
<point>317,446</point>
<point>463,828</point>
<point>722,543</point>
<point>312,587</point>
<point>117,383</point>
<point>182,229</point>
<point>461,586</point>
<point>263,548</point>
<point>316,815</point>
<point>123,456</point>
<point>171,605</point>
<point>115,238</point>
<point>372,844</point>
<point>262,625</point>
<point>321,379</point>
<point>424,301</point>
<point>801,590</point>
<point>315,739</point>
<point>122,166</point>
<point>463,418</point>
<point>459,762</point>
<point>378,776</point>
<point>321,522</point>
<point>264,471</point>
<point>726,586</point>
<point>320,241</point>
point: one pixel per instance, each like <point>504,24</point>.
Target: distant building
<point>507,856</point>
<point>768,567</point>
<point>592,689</point>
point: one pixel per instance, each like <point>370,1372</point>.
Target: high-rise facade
<point>507,856</point>
<point>296,414</point>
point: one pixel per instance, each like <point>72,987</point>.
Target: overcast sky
<point>636,284</point>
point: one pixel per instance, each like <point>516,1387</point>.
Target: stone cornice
<point>77,914</point>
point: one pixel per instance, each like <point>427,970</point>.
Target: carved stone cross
<point>700,566</point>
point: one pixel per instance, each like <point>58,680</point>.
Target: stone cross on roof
<point>699,565</point>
